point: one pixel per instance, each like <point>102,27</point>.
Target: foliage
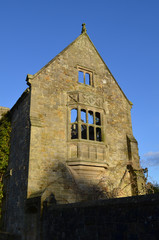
<point>152,188</point>
<point>156,187</point>
<point>5,130</point>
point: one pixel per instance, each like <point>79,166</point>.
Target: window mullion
<point>87,124</point>
<point>94,121</point>
<point>91,80</point>
<point>79,122</point>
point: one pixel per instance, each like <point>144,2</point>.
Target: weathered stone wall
<point>8,236</point>
<point>51,146</point>
<point>3,110</point>
<point>15,179</point>
<point>134,218</point>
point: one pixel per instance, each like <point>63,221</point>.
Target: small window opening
<point>91,133</point>
<point>73,115</point>
<point>129,149</point>
<point>87,79</point>
<point>80,77</point>
<point>97,116</point>
<point>74,131</point>
<point>90,117</point>
<point>83,131</point>
<point>83,115</point>
<point>98,134</point>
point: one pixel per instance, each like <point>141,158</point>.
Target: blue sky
<point>126,34</point>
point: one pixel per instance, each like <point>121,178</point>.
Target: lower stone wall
<point>134,218</point>
<point>7,236</point>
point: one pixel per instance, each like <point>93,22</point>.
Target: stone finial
<point>28,78</point>
<point>84,30</point>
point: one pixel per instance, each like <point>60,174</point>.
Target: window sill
<point>86,141</point>
<point>85,162</point>
<point>86,85</point>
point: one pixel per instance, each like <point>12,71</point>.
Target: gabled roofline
<point>31,77</point>
<point>20,99</point>
<point>109,70</point>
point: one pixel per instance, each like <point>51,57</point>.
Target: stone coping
<point>146,199</point>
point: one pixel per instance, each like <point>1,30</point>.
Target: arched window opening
<point>83,115</point>
<point>98,134</point>
<point>73,115</point>
<point>74,125</point>
<point>97,117</point>
<point>90,117</point>
<point>83,131</point>
<point>87,79</point>
<point>74,131</point>
<point>91,133</point>
<point>80,77</point>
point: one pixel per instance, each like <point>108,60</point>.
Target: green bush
<point>152,188</point>
<point>156,187</point>
<point>5,130</point>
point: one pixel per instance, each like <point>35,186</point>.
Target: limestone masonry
<point>71,137</point>
<point>3,110</point>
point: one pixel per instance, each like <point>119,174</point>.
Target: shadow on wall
<point>66,186</point>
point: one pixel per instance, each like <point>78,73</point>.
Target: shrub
<point>5,130</point>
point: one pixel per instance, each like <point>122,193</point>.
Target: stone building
<point>71,137</point>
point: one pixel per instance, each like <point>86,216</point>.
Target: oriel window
<point>86,124</point>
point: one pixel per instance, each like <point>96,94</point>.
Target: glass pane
<point>90,117</point>
<point>83,115</point>
<point>98,121</point>
<point>83,131</point>
<point>91,133</point>
<point>80,77</point>
<point>87,79</point>
<point>73,115</point>
<point>74,131</point>
<point>98,134</point>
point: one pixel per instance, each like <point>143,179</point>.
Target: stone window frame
<point>129,150</point>
<point>86,71</point>
<point>80,123</point>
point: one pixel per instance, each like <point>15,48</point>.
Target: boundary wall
<point>131,218</point>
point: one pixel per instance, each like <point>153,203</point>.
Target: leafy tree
<point>156,187</point>
<point>5,130</point>
<point>152,188</point>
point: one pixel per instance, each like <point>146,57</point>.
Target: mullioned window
<point>85,76</point>
<point>86,124</point>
